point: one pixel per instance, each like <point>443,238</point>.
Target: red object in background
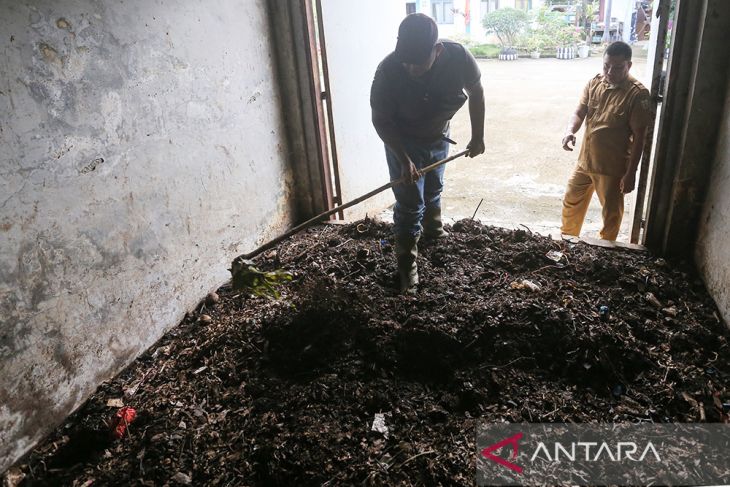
<point>121,420</point>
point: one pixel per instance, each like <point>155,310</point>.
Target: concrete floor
<point>522,175</point>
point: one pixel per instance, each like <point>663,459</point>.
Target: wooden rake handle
<point>318,218</point>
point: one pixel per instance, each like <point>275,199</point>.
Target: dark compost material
<point>507,325</point>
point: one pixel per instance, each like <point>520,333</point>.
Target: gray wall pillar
<point>712,252</point>
<point>689,125</point>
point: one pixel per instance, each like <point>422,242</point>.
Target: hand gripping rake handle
<point>318,218</point>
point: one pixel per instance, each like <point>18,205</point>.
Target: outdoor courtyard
<point>521,176</point>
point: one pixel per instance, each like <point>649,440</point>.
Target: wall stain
<point>224,149</point>
<point>6,226</point>
<point>92,165</point>
<point>63,24</point>
<point>37,421</point>
<point>30,219</point>
<point>65,359</point>
<point>50,54</point>
<point>32,268</point>
<point>62,151</point>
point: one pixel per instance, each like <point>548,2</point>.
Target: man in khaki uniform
<point>617,112</point>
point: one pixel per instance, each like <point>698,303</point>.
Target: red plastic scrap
<point>123,417</point>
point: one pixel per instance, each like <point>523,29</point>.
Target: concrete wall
<point>712,252</point>
<point>355,47</point>
<point>141,149</point>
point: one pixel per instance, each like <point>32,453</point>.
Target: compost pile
<point>343,381</point>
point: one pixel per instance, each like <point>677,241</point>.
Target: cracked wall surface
<point>141,149</point>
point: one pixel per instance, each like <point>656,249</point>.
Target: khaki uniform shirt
<point>612,110</point>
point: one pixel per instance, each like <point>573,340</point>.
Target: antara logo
<point>589,451</point>
<point>594,452</point>
<point>513,441</point>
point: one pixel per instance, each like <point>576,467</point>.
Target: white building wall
<point>621,10</point>
<point>477,11</point>
<point>355,46</point>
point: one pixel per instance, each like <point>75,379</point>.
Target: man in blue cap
<point>417,89</point>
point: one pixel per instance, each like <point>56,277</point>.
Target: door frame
<point>329,157</point>
<point>688,126</point>
<point>299,74</point>
<point>656,93</point>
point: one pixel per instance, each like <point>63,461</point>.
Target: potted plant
<point>534,42</point>
<point>568,37</point>
<point>583,50</point>
<point>555,33</point>
<point>507,24</point>
<point>587,15</point>
<point>508,54</point>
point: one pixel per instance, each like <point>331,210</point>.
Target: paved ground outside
<point>523,173</point>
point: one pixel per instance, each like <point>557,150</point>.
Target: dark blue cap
<point>417,35</point>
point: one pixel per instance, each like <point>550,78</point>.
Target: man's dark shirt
<point>422,107</point>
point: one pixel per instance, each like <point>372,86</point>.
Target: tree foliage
<point>550,29</point>
<point>506,24</point>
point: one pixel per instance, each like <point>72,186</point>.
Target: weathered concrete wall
<point>712,251</point>
<point>692,113</point>
<point>355,46</point>
<point>141,149</point>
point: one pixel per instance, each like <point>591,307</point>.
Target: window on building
<point>523,4</point>
<point>489,6</point>
<point>410,8</point>
<point>443,11</point>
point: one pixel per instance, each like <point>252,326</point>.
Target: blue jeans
<point>411,200</point>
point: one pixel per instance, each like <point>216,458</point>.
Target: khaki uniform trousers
<point>578,196</point>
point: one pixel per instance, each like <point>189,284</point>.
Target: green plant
<point>589,15</point>
<point>533,41</point>
<point>553,31</point>
<point>569,35</point>
<point>248,277</point>
<point>485,50</point>
<point>506,24</point>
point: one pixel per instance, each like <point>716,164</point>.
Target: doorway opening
<point>323,94</point>
<point>520,180</point>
